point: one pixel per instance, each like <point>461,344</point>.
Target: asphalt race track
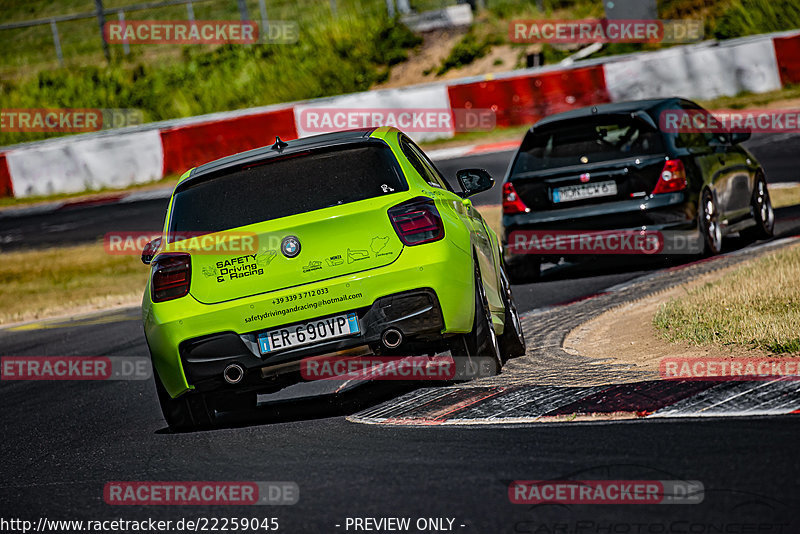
<point>63,441</point>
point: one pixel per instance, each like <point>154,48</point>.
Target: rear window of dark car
<point>589,141</point>
<point>287,186</point>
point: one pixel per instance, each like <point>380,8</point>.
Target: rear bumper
<point>416,314</point>
<point>442,268</point>
<point>673,215</point>
<point>670,211</point>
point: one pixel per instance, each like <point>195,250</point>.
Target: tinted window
<point>587,142</point>
<point>423,165</point>
<point>287,186</point>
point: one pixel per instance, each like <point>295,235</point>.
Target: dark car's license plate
<point>571,193</point>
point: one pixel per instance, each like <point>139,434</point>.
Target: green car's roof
<point>287,148</point>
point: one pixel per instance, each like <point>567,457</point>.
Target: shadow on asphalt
<point>314,407</point>
<point>787,225</point>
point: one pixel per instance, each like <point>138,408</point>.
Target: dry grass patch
<point>55,281</point>
<point>784,196</point>
<point>756,306</point>
<point>493,216</point>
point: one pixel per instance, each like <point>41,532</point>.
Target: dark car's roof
<point>264,153</point>
<point>651,106</point>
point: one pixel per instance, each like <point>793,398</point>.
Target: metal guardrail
<point>93,14</point>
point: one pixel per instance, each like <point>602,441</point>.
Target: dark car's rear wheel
<point>512,341</point>
<point>763,214</point>
<point>709,224</point>
<point>524,270</point>
<point>190,411</point>
<point>482,341</point>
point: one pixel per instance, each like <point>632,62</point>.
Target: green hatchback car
<point>354,244</point>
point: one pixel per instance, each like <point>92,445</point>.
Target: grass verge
<point>50,282</point>
<point>755,306</point>
<point>169,181</point>
<point>784,196</point>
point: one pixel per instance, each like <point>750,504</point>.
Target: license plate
<point>315,331</point>
<point>571,193</point>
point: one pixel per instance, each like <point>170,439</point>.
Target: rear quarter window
<point>286,186</point>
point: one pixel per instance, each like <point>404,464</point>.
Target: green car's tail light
<point>171,276</point>
<point>417,221</point>
<point>512,204</point>
<point>672,179</point>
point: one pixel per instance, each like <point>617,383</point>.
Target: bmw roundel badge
<point>290,246</point>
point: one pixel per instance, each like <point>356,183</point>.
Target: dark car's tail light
<point>172,273</point>
<point>417,221</point>
<point>672,179</point>
<point>512,204</point>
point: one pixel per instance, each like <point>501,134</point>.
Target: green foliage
<point>749,17</point>
<point>340,55</point>
<point>467,50</point>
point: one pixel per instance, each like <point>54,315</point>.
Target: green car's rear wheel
<point>512,341</point>
<point>482,341</point>
<point>187,412</point>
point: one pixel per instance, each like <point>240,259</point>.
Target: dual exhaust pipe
<point>234,373</point>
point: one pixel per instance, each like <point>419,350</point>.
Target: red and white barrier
<point>529,97</point>
<point>433,97</point>
<point>787,52</point>
<point>702,71</point>
<point>68,165</point>
<point>189,145</point>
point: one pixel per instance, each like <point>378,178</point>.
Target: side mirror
<point>739,137</point>
<point>150,250</point>
<point>474,181</point>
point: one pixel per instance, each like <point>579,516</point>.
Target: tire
<point>482,340</point>
<point>763,214</point>
<point>524,270</point>
<point>187,412</point>
<point>708,222</point>
<point>512,341</point>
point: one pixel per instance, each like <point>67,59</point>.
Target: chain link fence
<point>61,39</point>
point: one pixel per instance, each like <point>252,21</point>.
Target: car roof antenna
<point>279,145</point>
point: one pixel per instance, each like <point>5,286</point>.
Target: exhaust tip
<point>233,374</point>
<point>392,338</point>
